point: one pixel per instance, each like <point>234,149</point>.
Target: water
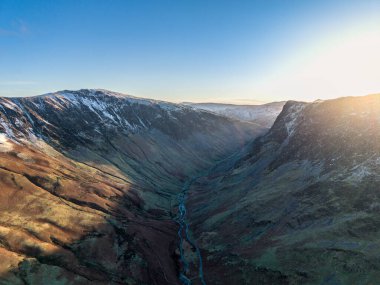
<point>183,234</point>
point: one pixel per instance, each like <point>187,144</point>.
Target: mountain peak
<point>88,92</point>
<point>107,96</point>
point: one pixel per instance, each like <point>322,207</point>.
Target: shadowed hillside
<point>89,181</point>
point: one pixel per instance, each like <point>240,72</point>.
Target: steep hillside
<point>264,115</point>
<point>90,180</point>
<point>147,140</point>
<point>300,205</point>
<point>101,188</point>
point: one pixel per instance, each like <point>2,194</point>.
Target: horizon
<point>246,52</point>
<point>194,142</point>
<point>216,102</point>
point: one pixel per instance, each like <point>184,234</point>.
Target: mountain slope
<point>100,188</point>
<point>135,136</point>
<point>89,182</point>
<point>301,203</point>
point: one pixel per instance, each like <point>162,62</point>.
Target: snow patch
<point>9,104</point>
<point>5,144</point>
<point>8,130</point>
<point>359,173</point>
<point>292,117</point>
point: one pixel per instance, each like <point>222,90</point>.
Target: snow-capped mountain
<point>89,182</point>
<point>98,187</point>
<point>103,109</point>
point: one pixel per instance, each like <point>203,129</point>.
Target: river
<point>183,234</point>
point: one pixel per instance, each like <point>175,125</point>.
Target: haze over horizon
<point>214,51</point>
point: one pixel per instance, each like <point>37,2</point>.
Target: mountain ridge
<point>300,200</point>
<point>86,199</point>
<point>112,167</point>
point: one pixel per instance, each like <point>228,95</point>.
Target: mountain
<point>299,205</point>
<point>90,180</point>
<point>98,187</point>
<point>264,115</point>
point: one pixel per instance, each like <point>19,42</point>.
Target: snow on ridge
<point>108,106</point>
<point>7,130</point>
<point>63,98</point>
<point>9,104</point>
<point>75,97</point>
<point>103,108</point>
<point>291,118</point>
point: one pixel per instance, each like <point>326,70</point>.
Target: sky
<point>233,51</point>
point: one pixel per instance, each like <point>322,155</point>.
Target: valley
<point>98,187</point>
<point>116,165</point>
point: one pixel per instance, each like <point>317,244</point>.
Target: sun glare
<point>344,64</point>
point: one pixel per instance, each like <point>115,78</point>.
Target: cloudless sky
<point>190,50</point>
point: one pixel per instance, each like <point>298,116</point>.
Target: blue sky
<point>223,51</point>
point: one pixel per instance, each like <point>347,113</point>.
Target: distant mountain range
<point>98,187</point>
<point>264,115</point>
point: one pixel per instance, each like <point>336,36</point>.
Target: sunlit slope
<point>153,142</point>
<point>300,206</point>
<point>63,222</point>
<point>89,180</point>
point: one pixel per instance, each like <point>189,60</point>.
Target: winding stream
<point>183,234</point>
